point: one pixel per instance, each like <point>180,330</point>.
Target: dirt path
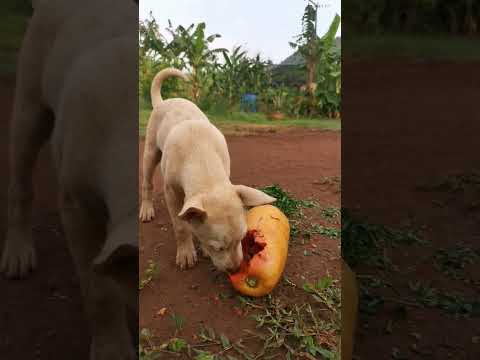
<point>408,125</point>
<point>298,161</point>
<point>40,317</point>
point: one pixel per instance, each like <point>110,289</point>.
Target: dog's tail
<point>156,88</point>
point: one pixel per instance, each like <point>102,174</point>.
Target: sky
<point>265,26</point>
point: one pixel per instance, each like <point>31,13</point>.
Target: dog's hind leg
<point>151,157</point>
<point>31,127</point>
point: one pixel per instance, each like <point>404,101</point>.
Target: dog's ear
<point>253,197</point>
<point>193,210</point>
<point>120,247</point>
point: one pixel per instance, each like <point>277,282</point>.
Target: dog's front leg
<point>186,253</point>
<point>104,303</point>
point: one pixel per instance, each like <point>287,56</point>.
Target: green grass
<point>370,244</point>
<point>150,274</point>
<point>143,120</point>
<point>245,119</point>
<point>440,47</point>
<point>239,118</point>
<point>453,261</point>
<point>308,330</point>
<point>12,28</point>
<point>291,207</point>
<point>329,232</point>
<point>450,303</point>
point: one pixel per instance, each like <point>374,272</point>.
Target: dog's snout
<point>235,263</point>
<point>233,269</point>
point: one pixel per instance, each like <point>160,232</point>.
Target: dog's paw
<point>186,256</point>
<point>147,212</point>
<point>18,257</point>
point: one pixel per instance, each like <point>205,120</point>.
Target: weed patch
<point>298,328</point>
<point>452,183</point>
<point>291,207</point>
<point>451,303</point>
<point>366,243</point>
<point>150,274</point>
<point>452,262</point>
<point>284,330</point>
<point>331,213</point>
<point>325,231</point>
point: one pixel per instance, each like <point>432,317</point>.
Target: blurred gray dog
<point>77,84</point>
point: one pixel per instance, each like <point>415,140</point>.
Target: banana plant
<point>150,38</point>
<point>312,47</point>
<point>259,75</point>
<point>276,98</point>
<point>240,74</point>
<point>233,73</point>
<point>192,44</point>
<point>155,53</point>
<point>328,92</point>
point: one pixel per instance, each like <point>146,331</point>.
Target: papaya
<point>265,249</point>
<point>349,311</point>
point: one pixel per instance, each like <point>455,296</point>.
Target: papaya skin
<point>265,251</point>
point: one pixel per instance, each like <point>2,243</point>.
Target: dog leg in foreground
<point>31,128</point>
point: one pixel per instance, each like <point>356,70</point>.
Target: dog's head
<point>218,221</point>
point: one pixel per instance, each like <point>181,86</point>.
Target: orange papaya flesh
<point>265,249</point>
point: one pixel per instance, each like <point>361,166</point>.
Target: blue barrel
<point>248,103</point>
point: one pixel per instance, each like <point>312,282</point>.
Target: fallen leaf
<point>162,311</point>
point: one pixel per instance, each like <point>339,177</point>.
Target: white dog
<point>201,200</point>
<point>77,83</point>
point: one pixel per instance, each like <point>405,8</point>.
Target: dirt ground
<point>297,161</point>
<point>41,316</point>
<point>406,125</point>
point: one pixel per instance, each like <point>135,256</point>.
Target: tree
<point>312,47</point>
